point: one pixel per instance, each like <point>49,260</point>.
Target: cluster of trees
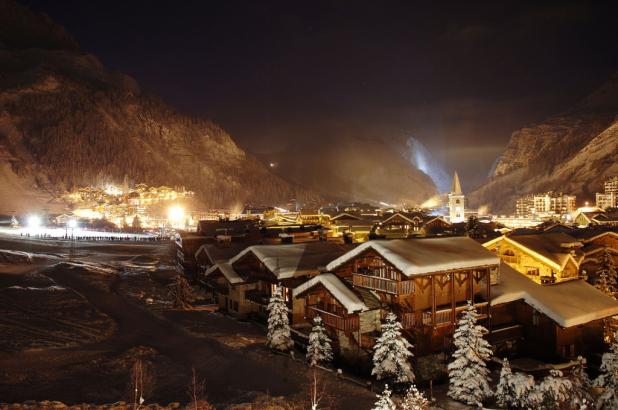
<point>89,127</point>
<point>469,376</point>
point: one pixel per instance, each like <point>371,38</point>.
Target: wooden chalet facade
<point>403,225</point>
<point>352,318</point>
<point>546,258</point>
<point>560,321</point>
<point>244,284</point>
<point>427,292</point>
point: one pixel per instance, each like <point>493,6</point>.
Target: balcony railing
<point>383,285</point>
<point>504,333</point>
<point>347,324</point>
<point>444,316</point>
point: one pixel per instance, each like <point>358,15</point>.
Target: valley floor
<point>74,319</point>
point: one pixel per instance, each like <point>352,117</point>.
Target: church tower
<point>456,202</point>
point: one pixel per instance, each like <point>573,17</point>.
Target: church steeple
<point>456,186</point>
<point>456,201</point>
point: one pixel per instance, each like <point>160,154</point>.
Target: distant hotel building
<point>608,199</point>
<point>545,204</point>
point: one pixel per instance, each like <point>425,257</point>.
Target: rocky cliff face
<point>66,120</point>
<point>571,152</point>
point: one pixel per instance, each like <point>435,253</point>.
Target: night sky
<point>460,76</point>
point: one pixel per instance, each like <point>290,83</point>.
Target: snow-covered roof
<point>287,261</point>
<point>569,303</point>
<point>227,271</point>
<point>554,249</point>
<point>423,256</point>
<point>337,288</point>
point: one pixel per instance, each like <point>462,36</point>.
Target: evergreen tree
<point>514,388</point>
<point>553,392</point>
<point>319,349</point>
<point>606,276</point>
<point>473,229</point>
<point>581,396</point>
<point>279,336</point>
<point>608,379</point>
<point>384,401</point>
<point>468,373</point>
<point>414,400</point>
<point>391,353</point>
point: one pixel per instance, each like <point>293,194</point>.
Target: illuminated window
<point>532,271</point>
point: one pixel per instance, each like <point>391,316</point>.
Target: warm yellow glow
<point>432,202</point>
<point>176,215</point>
<point>34,221</point>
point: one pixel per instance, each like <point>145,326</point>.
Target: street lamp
<point>175,215</point>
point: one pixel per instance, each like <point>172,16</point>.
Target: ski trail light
<point>34,221</point>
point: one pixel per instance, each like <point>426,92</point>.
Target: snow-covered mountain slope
<point>572,152</point>
<point>66,120</point>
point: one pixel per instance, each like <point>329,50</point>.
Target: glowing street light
<point>176,215</point>
<point>73,223</point>
<point>34,221</point>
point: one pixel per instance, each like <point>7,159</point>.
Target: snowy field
<point>61,233</point>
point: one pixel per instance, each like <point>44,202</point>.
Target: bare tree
<point>197,394</point>
<point>319,396</point>
<point>142,382</point>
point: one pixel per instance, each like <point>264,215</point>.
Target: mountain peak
<point>21,28</point>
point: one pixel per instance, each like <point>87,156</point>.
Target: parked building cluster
<point>531,291</point>
<point>609,197</point>
<point>545,204</point>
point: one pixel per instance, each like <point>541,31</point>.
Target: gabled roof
<point>344,216</point>
<point>408,216</point>
<point>554,249</point>
<point>569,303</point>
<point>337,288</point>
<point>424,256</point>
<point>287,261</point>
<point>227,271</point>
<point>590,234</point>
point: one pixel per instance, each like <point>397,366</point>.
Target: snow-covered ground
<point>59,233</point>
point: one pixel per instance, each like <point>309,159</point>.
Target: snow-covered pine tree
<point>414,400</point>
<point>319,349</point>
<point>468,373</point>
<point>391,353</point>
<point>553,392</point>
<point>279,336</point>
<point>581,396</point>
<point>608,379</point>
<point>514,388</point>
<point>606,276</point>
<point>384,401</point>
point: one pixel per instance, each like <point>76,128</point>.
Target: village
<point>545,295</point>
<point>383,293</point>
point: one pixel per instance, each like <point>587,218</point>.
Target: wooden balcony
<point>391,286</point>
<point>444,315</point>
<point>407,319</point>
<point>345,323</point>
<point>503,333</point>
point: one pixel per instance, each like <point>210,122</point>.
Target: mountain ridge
<point>551,155</point>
